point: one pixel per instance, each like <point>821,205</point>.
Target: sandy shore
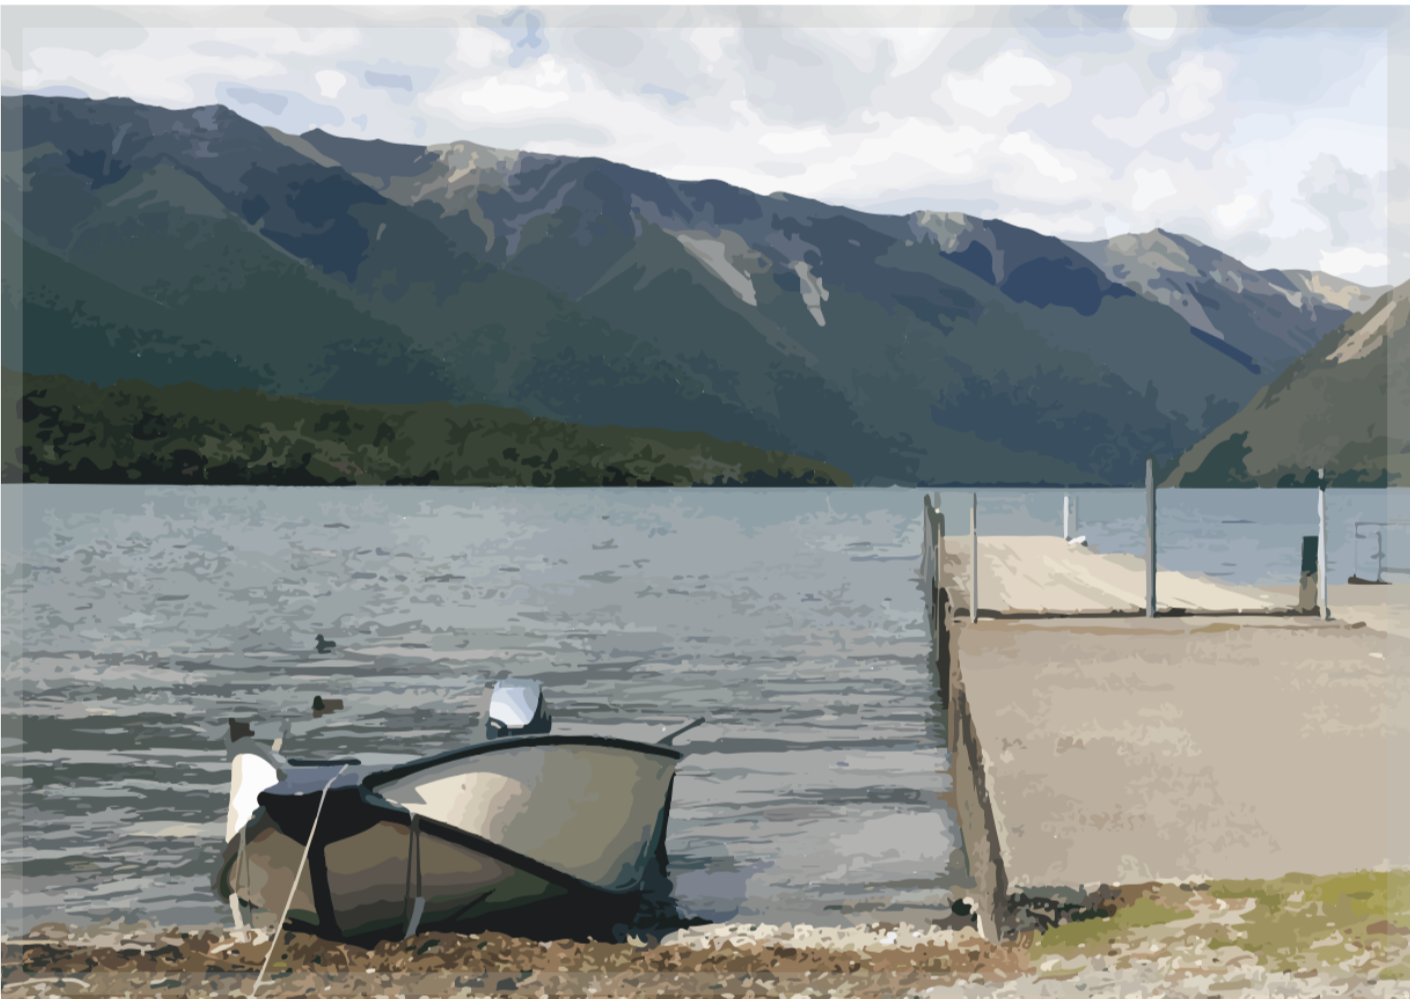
<point>1237,938</point>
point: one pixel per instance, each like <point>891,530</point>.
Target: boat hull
<point>592,808</point>
<point>365,884</point>
<point>461,833</point>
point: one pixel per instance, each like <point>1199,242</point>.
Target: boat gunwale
<point>380,777</point>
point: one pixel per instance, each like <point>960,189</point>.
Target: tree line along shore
<point>133,432</point>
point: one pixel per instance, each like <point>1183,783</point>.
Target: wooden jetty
<point>1046,576</point>
<point>1227,736</point>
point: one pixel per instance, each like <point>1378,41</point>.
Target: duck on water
<point>527,830</point>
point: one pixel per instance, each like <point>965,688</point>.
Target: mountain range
<point>931,348</point>
<point>1327,411</point>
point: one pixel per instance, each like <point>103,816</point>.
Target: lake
<point>139,619</point>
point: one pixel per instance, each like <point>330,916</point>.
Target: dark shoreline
<point>1146,940</point>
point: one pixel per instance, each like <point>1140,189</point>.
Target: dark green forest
<point>182,434</point>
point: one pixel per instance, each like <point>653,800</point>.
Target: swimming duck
<point>325,646</point>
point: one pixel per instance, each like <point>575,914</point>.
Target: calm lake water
<point>139,619</point>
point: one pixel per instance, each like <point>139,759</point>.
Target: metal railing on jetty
<point>932,561</point>
<point>1380,555</point>
<point>1035,574</point>
<point>932,566</point>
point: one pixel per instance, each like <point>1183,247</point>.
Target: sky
<point>1258,130</point>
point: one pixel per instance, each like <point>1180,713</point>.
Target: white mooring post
<point>1150,537</point>
<point>1322,544</point>
<point>1076,528</point>
<point>974,558</point>
<point>1066,520</point>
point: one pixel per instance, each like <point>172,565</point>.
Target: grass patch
<point>1330,920</point>
<point>1091,936</point>
<point>1357,923</point>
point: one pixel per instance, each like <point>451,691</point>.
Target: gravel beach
<point>1147,940</point>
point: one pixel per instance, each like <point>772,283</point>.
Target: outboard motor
<point>254,768</point>
<point>517,708</point>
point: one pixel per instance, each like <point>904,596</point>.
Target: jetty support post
<point>1322,544</point>
<point>974,558</point>
<point>1066,520</point>
<point>937,600</point>
<point>932,555</point>
<point>939,546</point>
<point>1150,537</point>
<point>927,571</point>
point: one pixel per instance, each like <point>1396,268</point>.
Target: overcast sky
<point>1262,131</point>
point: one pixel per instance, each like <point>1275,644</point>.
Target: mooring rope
<point>279,927</point>
<point>242,865</point>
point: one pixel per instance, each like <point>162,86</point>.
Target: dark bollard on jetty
<point>1307,578</point>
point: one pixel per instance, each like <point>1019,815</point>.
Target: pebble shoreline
<point>732,961</point>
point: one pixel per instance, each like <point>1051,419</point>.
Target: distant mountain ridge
<point>1262,318</point>
<point>1337,291</point>
<point>1328,410</point>
<point>932,348</point>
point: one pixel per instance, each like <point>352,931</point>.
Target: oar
<point>680,731</point>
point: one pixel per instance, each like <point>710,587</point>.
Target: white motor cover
<point>515,702</point>
<point>250,776</point>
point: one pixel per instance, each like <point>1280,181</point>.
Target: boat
<point>526,829</point>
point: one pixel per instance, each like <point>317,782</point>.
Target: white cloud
<point>491,97</point>
<point>169,77</point>
<point>1152,187</point>
<point>1064,226</point>
<point>1203,141</point>
<point>913,46</point>
<point>480,48</point>
<point>997,86</point>
<point>1232,213</point>
<point>1189,97</point>
<point>859,48</point>
<point>1022,144</point>
<point>710,42</point>
<point>795,142</point>
<point>940,150</point>
<point>1352,262</point>
<point>330,81</point>
<point>315,41</point>
<point>1152,22</point>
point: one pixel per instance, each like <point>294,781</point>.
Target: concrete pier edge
<point>1264,642</point>
<point>978,827</point>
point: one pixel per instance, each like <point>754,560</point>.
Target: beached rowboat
<point>490,835</point>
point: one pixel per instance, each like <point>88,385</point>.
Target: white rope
<point>279,927</point>
<point>242,862</point>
